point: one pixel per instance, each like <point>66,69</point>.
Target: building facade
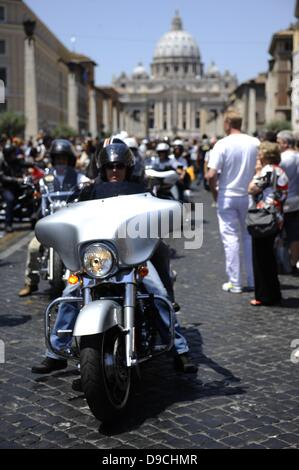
<point>249,99</point>
<point>108,110</point>
<point>43,80</point>
<point>178,96</point>
<point>279,79</point>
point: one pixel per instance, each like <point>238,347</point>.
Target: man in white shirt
<point>232,164</point>
<point>290,164</point>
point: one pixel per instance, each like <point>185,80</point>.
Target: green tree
<point>277,125</point>
<point>63,132</point>
<point>12,124</point>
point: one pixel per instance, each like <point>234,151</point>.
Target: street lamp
<point>29,27</point>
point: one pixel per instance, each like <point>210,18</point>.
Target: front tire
<point>106,380</point>
<point>58,271</point>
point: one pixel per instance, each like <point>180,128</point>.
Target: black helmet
<point>9,152</point>
<point>63,147</point>
<point>115,150</point>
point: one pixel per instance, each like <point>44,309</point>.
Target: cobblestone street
<point>245,394</point>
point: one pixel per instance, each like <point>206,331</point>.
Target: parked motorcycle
<point>26,203</point>
<point>117,327</point>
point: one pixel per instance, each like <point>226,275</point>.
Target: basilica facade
<point>178,97</point>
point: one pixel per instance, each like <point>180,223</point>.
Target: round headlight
<point>97,260</point>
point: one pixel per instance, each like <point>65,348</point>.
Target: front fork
<point>129,307</point>
<point>51,264</point>
<point>129,322</point>
<point>129,319</point>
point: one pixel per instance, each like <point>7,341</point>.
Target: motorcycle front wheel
<point>106,380</point>
<point>57,282</point>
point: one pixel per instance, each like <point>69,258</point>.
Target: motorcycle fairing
<point>105,219</point>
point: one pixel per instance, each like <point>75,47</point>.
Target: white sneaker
<point>229,287</point>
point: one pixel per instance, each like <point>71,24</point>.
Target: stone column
<point>192,116</point>
<point>114,119</point>
<point>73,120</point>
<point>188,115</point>
<point>30,91</point>
<point>251,111</point>
<point>180,115</point>
<point>121,120</point>
<point>203,121</point>
<point>156,116</point>
<point>220,120</point>
<point>174,124</point>
<point>161,116</point>
<point>168,109</point>
<point>106,115</point>
<point>93,129</point>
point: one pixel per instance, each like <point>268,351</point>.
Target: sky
<point>118,34</point>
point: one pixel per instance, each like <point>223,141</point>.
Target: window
<point>3,75</point>
<point>2,14</point>
<point>151,116</point>
<point>136,115</point>
<point>2,47</point>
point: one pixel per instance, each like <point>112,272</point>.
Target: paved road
<point>245,394</point>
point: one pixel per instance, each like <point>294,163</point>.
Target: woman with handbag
<point>269,189</point>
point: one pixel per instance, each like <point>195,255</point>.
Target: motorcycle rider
<point>179,163</point>
<point>164,162</point>
<point>115,163</point>
<point>138,172</point>
<point>12,169</point>
<point>65,178</point>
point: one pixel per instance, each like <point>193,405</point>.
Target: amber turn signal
<point>73,279</point>
<point>143,271</point>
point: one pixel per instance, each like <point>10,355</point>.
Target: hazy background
<point>118,34</point>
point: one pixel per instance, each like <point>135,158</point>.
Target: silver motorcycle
<point>163,183</point>
<point>51,267</point>
<point>117,327</point>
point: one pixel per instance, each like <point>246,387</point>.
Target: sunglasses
<point>116,166</point>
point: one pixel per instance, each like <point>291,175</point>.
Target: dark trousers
<point>161,262</point>
<point>266,283</point>
<point>9,197</point>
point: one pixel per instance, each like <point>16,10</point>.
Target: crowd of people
<point>239,170</point>
<point>244,172</point>
<point>19,159</point>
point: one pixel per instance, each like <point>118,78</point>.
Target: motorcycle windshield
<point>133,224</point>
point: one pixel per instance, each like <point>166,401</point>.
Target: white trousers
<point>231,215</point>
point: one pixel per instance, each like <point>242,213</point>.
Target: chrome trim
<point>47,324</point>
<point>129,317</point>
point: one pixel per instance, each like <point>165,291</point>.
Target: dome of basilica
<point>139,71</point>
<point>176,44</point>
